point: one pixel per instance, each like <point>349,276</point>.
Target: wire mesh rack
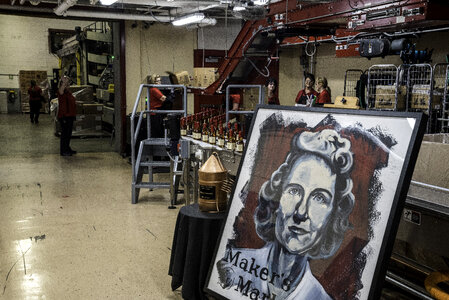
<point>440,95</point>
<point>355,85</point>
<point>420,87</point>
<point>383,90</point>
<point>352,77</point>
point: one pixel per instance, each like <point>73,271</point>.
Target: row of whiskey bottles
<point>208,126</point>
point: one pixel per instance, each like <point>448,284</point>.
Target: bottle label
<point>239,148</point>
<point>205,138</point>
<point>220,142</point>
<point>230,146</point>
<point>212,140</point>
<point>183,132</point>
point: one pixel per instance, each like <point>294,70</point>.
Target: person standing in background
<point>272,91</point>
<point>35,95</point>
<point>324,91</point>
<point>66,115</point>
<point>157,100</point>
<point>307,95</point>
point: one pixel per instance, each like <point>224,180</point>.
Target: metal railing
<point>242,86</point>
<point>136,128</point>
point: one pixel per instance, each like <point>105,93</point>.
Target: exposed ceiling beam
<point>85,14</point>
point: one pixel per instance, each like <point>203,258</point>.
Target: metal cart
<point>440,96</point>
<point>420,86</point>
<point>383,90</point>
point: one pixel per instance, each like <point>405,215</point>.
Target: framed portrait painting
<point>316,204</point>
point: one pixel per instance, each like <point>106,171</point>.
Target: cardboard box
<point>87,122</point>
<point>386,97</point>
<point>79,107</point>
<point>421,95</point>
<point>203,77</point>
<point>93,108</point>
<point>250,98</point>
<point>345,102</point>
<point>183,78</point>
<point>83,93</point>
<point>429,169</point>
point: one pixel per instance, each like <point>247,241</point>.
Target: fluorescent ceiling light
<point>203,23</point>
<point>108,2</point>
<point>208,21</point>
<point>260,2</point>
<point>238,8</point>
<point>188,19</point>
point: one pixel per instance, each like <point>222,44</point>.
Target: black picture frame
<point>383,147</point>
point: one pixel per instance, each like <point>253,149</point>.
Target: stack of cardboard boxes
<point>90,118</point>
<point>25,78</point>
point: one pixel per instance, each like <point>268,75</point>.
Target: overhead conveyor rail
<point>150,147</point>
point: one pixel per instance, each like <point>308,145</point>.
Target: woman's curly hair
<point>335,150</point>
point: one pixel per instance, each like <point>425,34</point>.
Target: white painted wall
<point>221,36</point>
<point>24,45</point>
<point>155,50</point>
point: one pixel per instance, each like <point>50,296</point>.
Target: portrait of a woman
<point>302,215</point>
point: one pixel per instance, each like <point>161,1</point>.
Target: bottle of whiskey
<point>212,135</point>
<point>239,143</point>
<point>189,125</point>
<point>205,133</point>
<point>196,131</point>
<point>221,138</point>
<point>230,145</point>
<point>183,127</point>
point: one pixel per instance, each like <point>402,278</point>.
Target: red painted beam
<point>290,13</point>
<point>235,54</point>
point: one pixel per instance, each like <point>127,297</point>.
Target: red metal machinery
<point>299,21</point>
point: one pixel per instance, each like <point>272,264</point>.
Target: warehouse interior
<point>105,222</point>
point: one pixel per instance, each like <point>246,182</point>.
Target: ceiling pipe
<point>175,3</point>
<point>117,16</point>
<point>62,8</point>
<point>193,9</point>
<point>87,14</point>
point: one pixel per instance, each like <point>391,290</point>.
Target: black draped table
<point>194,241</point>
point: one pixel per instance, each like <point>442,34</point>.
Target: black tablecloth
<point>194,241</point>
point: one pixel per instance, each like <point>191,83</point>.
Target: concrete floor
<point>68,229</point>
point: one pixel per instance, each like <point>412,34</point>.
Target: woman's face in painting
<point>306,203</point>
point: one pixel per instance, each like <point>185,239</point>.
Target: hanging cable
<point>151,13</point>
<point>314,48</point>
<point>226,30</point>
<point>204,47</point>
<point>258,70</point>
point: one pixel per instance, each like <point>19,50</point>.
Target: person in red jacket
<point>324,91</point>
<point>66,115</point>
<point>307,95</point>
<point>157,100</point>
<point>35,93</point>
